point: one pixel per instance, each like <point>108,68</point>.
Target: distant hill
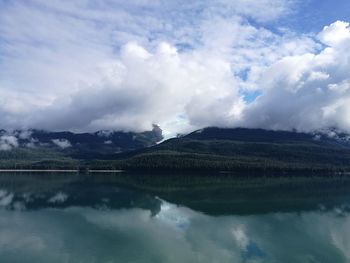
<point>207,149</point>
<point>93,145</point>
<point>242,149</point>
<point>45,149</point>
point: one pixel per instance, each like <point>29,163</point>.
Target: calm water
<point>138,218</point>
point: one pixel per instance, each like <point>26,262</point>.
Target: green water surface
<point>173,218</point>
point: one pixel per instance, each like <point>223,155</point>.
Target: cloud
<point>147,88</point>
<point>92,65</point>
<point>62,143</point>
<point>8,142</point>
<point>24,134</point>
<point>334,34</point>
<point>307,92</point>
<point>125,66</point>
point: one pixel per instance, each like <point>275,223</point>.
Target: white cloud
<point>120,67</point>
<point>307,92</point>
<point>62,143</point>
<point>336,33</point>
<point>8,142</point>
<point>184,65</point>
<point>24,134</point>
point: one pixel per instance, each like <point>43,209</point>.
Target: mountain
<point>242,150</point>
<point>38,148</point>
<point>95,145</point>
<point>209,149</point>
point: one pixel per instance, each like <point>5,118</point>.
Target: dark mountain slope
<point>44,149</point>
<point>242,149</point>
<point>92,145</point>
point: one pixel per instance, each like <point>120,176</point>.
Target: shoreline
<point>222,173</point>
<point>60,171</point>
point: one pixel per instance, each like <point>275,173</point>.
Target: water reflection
<point>72,218</point>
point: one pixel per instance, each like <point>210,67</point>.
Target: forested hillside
<point>243,149</point>
<point>65,150</point>
<point>207,149</point>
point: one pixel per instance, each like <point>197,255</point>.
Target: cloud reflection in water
<point>174,234</point>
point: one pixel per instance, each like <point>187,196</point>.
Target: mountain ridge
<point>211,148</point>
<point>241,148</point>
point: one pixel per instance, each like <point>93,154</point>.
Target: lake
<point>68,217</point>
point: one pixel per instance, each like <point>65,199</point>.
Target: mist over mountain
<point>79,145</point>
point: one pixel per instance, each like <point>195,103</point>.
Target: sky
<point>87,65</point>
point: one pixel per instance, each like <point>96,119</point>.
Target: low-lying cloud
<point>62,143</point>
<point>8,142</point>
